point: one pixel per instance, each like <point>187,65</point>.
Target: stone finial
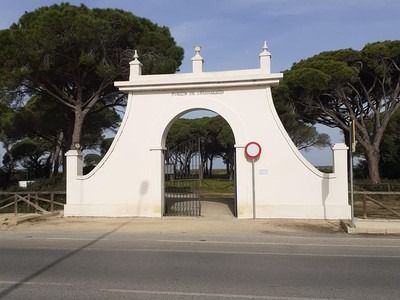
<point>136,55</point>
<point>265,59</point>
<point>197,61</point>
<point>135,67</point>
<point>265,50</point>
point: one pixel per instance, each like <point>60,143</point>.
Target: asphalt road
<point>119,264</point>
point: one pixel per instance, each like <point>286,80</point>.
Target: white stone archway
<point>129,180</point>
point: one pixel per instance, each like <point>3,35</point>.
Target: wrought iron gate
<point>183,175</point>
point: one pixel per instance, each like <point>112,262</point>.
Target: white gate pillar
<point>74,169</point>
<point>336,205</point>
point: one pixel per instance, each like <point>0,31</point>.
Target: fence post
<point>36,202</point>
<point>364,207</point>
<point>15,205</point>
<point>52,202</point>
<point>28,208</point>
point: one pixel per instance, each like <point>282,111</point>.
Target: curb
<point>372,226</point>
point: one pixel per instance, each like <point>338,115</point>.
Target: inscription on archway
<point>197,93</point>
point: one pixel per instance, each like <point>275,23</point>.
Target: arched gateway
<point>129,181</point>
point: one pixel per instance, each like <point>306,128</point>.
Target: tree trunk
<point>232,172</point>
<point>205,167</point>
<point>373,156</point>
<point>77,132</point>
<point>211,166</point>
<point>55,163</point>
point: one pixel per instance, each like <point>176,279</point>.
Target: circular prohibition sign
<point>252,150</point>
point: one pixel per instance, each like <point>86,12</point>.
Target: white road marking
<point>277,244</point>
<point>266,253</point>
<point>154,250</point>
<point>169,293</point>
<point>9,282</point>
<point>71,239</point>
<point>208,295</point>
<point>324,245</point>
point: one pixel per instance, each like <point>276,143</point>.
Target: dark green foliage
<point>390,149</point>
<point>303,134</point>
<point>333,88</point>
<point>216,137</point>
<point>64,44</point>
<point>91,160</point>
<point>360,169</point>
<point>105,145</point>
<point>57,69</point>
<point>73,54</point>
<point>31,133</point>
<point>32,155</point>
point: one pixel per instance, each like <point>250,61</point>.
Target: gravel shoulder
<point>179,225</point>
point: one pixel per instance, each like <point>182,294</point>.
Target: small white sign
<point>24,183</point>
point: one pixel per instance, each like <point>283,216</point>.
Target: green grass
<point>217,186</point>
<point>214,186</point>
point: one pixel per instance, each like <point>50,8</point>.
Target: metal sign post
<point>352,149</point>
<point>253,152</point>
<point>254,188</point>
<point>351,189</point>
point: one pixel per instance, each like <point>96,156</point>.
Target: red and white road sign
<point>252,150</point>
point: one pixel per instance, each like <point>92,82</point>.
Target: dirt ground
<point>217,218</point>
<point>179,225</point>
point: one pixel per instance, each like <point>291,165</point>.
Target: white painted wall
<point>129,180</point>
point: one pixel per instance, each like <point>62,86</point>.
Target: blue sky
<point>231,31</point>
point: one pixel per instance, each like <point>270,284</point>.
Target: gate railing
<point>39,202</point>
<point>182,207</point>
<point>182,198</point>
<point>183,165</point>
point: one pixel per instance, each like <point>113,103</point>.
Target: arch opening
<point>199,166</point>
